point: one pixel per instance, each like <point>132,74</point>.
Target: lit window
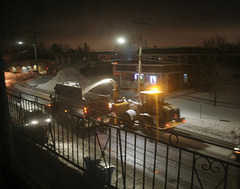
<point>136,76</point>
<point>153,79</point>
<point>185,78</point>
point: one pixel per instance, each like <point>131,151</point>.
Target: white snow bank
<point>69,74</point>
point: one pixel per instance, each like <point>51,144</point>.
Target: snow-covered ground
<point>220,122</point>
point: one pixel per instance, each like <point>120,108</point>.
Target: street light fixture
<point>121,40</point>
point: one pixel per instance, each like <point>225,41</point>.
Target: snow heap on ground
<point>220,122</point>
<point>68,74</point>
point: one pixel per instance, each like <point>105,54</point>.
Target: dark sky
<point>170,23</point>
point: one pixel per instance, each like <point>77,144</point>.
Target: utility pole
<point>35,52</point>
<point>35,49</point>
<point>141,22</point>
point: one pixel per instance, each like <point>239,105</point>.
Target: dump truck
<point>151,110</point>
<point>69,98</point>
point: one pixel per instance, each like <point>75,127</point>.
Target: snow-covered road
<point>220,122</point>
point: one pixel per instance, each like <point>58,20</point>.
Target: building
<point>171,69</point>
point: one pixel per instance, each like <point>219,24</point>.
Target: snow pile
<point>204,118</point>
<point>69,74</point>
<point>210,128</point>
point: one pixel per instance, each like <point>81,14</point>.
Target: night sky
<point>168,23</point>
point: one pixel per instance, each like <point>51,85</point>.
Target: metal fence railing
<point>120,158</point>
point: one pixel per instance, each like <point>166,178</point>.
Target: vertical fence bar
<point>72,142</point>
<point>54,134</point>
<point>134,160</point>
<point>109,156</point>
<point>83,123</point>
<point>117,130</point>
<point>179,167</point>
<point>226,176</point>
<point>166,168</point>
<point>193,169</point>
<point>58,137</point>
<point>89,149</point>
<point>63,138</point>
<point>77,139</point>
<point>154,164</point>
<point>144,161</point>
<point>95,143</point>
<point>121,155</point>
<point>67,135</point>
<point>125,156</point>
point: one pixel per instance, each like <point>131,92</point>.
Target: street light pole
<point>35,57</point>
<point>139,70</point>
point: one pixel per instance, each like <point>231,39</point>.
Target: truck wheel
<point>127,121</point>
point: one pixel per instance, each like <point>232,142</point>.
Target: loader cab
<point>151,101</point>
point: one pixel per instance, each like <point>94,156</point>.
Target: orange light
<point>85,110</point>
<point>155,89</point>
<point>49,105</point>
<point>167,125</point>
<point>184,121</point>
<point>109,106</point>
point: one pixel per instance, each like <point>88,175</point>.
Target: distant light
<point>20,42</point>
<point>34,122</point>
<point>121,40</point>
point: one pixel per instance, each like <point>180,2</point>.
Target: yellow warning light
<point>85,110</point>
<point>155,89</point>
<point>65,111</point>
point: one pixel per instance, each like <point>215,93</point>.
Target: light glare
<point>121,40</point>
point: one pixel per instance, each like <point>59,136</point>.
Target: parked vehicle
<point>36,125</point>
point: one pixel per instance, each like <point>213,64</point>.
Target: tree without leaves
<point>209,75</point>
<point>209,66</point>
<point>86,48</point>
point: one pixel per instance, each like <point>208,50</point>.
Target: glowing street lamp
<point>121,40</point>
